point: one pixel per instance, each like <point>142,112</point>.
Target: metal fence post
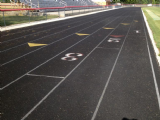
<point>29,16</point>
<point>58,13</point>
<point>64,12</point>
<point>46,14</point>
<point>4,19</point>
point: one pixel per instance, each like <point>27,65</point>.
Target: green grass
<point>11,20</point>
<point>154,24</point>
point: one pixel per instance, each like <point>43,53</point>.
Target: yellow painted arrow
<point>35,44</point>
<point>81,34</point>
<point>125,23</point>
<point>107,28</point>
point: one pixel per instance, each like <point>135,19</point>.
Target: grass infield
<point>154,24</point>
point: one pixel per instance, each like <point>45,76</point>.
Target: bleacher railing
<point>24,15</point>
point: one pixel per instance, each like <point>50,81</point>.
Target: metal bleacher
<point>56,3</point>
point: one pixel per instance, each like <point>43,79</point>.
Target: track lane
<point>76,96</point>
<point>69,87</point>
<point>16,53</point>
<point>32,29</point>
<point>15,37</point>
<point>17,90</point>
<point>13,43</point>
<point>31,59</point>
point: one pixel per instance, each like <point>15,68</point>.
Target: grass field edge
<point>152,38</point>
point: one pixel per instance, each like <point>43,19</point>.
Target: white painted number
<point>114,40</point>
<point>137,31</point>
<point>68,56</point>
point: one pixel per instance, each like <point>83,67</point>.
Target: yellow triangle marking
<point>125,23</point>
<point>107,28</point>
<point>81,34</point>
<point>135,20</point>
<point>35,44</point>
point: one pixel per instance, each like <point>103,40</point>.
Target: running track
<point>107,74</point>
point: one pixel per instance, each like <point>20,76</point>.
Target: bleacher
<point>57,3</point>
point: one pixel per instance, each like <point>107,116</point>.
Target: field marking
<point>43,37</point>
<point>44,76</point>
<point>108,80</point>
<point>81,34</point>
<point>50,43</point>
<point>52,58</point>
<point>23,118</point>
<point>152,67</point>
<point>35,44</point>
<point>108,28</point>
<point>107,48</point>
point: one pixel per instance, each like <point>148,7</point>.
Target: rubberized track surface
<point>108,74</point>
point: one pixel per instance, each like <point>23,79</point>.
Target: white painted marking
<point>152,67</point>
<point>53,42</point>
<point>63,79</point>
<point>106,85</point>
<point>68,56</point>
<point>137,31</point>
<point>107,48</point>
<point>114,39</point>
<point>53,56</point>
<point>44,76</point>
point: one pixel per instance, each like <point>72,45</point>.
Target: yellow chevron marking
<point>107,28</point>
<point>35,44</point>
<point>125,23</point>
<point>81,34</point>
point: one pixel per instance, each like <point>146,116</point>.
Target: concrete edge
<point>47,21</point>
<point>152,38</point>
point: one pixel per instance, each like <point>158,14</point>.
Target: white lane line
<point>63,79</point>
<point>53,57</point>
<point>50,43</point>
<point>44,76</point>
<point>110,75</point>
<point>48,30</point>
<point>152,67</point>
<point>107,48</point>
<point>44,36</point>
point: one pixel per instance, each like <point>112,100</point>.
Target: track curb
<point>152,38</point>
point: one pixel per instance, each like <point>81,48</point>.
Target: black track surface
<point>108,81</point>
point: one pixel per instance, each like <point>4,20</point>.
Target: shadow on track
<point>129,119</point>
